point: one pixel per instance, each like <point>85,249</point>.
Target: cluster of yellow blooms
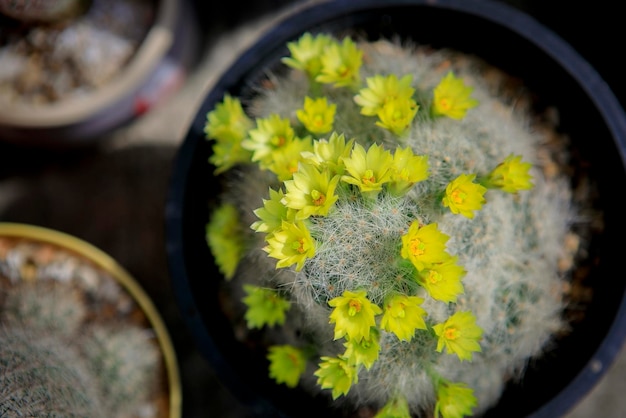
<point>313,172</point>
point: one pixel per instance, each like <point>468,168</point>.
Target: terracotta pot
<point>589,114</point>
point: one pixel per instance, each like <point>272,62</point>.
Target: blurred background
<point>110,189</point>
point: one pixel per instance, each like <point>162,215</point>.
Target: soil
<point>106,301</point>
<point>44,63</point>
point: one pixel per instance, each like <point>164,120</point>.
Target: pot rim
<point>311,16</point>
<point>108,264</point>
<point>73,110</point>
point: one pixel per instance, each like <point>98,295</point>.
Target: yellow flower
<point>341,63</point>
<point>380,90</point>
<point>407,169</point>
<point>336,374</point>
<point>368,170</point>
<point>424,246</point>
<point>291,244</point>
<point>270,134</point>
<point>353,315</point>
<point>329,154</point>
<point>272,214</point>
<point>310,192</point>
<point>396,115</point>
<point>442,280</point>
<point>306,53</point>
<point>227,122</point>
<point>397,407</point>
<point>459,334</point>
<point>454,400</point>
<point>287,363</point>
<point>224,238</point>
<point>228,125</point>
<point>227,154</point>
<point>285,160</point>
<point>403,315</point>
<point>511,175</point>
<point>363,352</point>
<point>265,307</point>
<point>452,98</point>
<point>463,196</point>
<point>317,116</point>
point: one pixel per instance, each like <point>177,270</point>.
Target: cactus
<point>42,376</point>
<point>59,358</point>
<point>125,360</point>
<point>406,207</point>
<point>43,307</point>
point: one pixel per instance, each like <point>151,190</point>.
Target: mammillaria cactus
<point>43,307</point>
<point>402,213</point>
<point>73,341</point>
<point>123,358</point>
<point>111,368</point>
<point>42,376</point>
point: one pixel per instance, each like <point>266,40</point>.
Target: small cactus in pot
<point>77,335</point>
<point>42,376</point>
<point>394,222</point>
<point>53,362</point>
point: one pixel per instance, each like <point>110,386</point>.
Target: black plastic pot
<point>506,38</point>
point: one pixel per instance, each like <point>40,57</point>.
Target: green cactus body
<point>509,249</point>
<point>41,376</point>
<point>126,361</point>
<point>63,354</point>
<point>43,307</point>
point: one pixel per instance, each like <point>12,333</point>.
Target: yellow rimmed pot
<point>63,300</point>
